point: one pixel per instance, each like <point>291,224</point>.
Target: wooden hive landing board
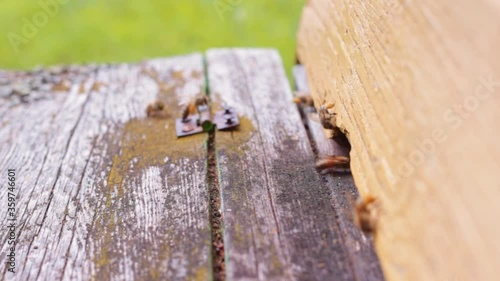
<point>279,223</point>
<point>105,192</point>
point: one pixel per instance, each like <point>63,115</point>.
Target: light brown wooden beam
<point>415,86</point>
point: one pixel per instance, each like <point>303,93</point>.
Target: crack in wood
<point>214,206</point>
<point>215,216</point>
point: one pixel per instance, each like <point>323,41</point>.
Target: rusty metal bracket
<point>189,126</point>
<point>226,119</point>
<point>194,124</point>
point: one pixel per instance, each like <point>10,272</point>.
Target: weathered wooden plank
<point>415,87</point>
<point>343,195</point>
<point>34,135</point>
<point>118,196</point>
<point>278,220</point>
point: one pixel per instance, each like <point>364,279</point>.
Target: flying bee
<point>366,213</point>
<point>334,163</point>
<point>195,106</point>
<point>156,109</point>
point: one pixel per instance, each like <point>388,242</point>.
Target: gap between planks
<point>215,216</point>
<point>344,193</point>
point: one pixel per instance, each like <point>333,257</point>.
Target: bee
<point>156,109</point>
<point>328,119</point>
<point>304,99</point>
<point>366,213</point>
<point>327,116</point>
<point>336,163</point>
<point>196,105</point>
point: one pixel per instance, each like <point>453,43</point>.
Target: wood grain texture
<point>279,223</point>
<point>359,246</point>
<point>105,192</point>
<point>415,87</point>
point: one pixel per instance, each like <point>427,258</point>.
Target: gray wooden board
<point>279,223</point>
<point>343,195</point>
<point>103,191</point>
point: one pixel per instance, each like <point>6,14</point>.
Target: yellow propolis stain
<point>144,143</point>
<point>178,75</point>
<point>151,142</point>
<point>81,89</point>
<point>201,274</point>
<point>134,147</point>
<point>96,87</point>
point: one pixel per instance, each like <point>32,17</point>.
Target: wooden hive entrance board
<point>279,223</point>
<point>104,192</point>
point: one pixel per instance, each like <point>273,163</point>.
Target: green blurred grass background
<point>132,30</point>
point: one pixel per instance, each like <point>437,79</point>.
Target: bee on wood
<point>156,109</point>
<point>303,98</point>
<point>195,106</point>
<point>334,163</point>
<point>366,213</point>
<point>328,119</point>
<point>327,116</point>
